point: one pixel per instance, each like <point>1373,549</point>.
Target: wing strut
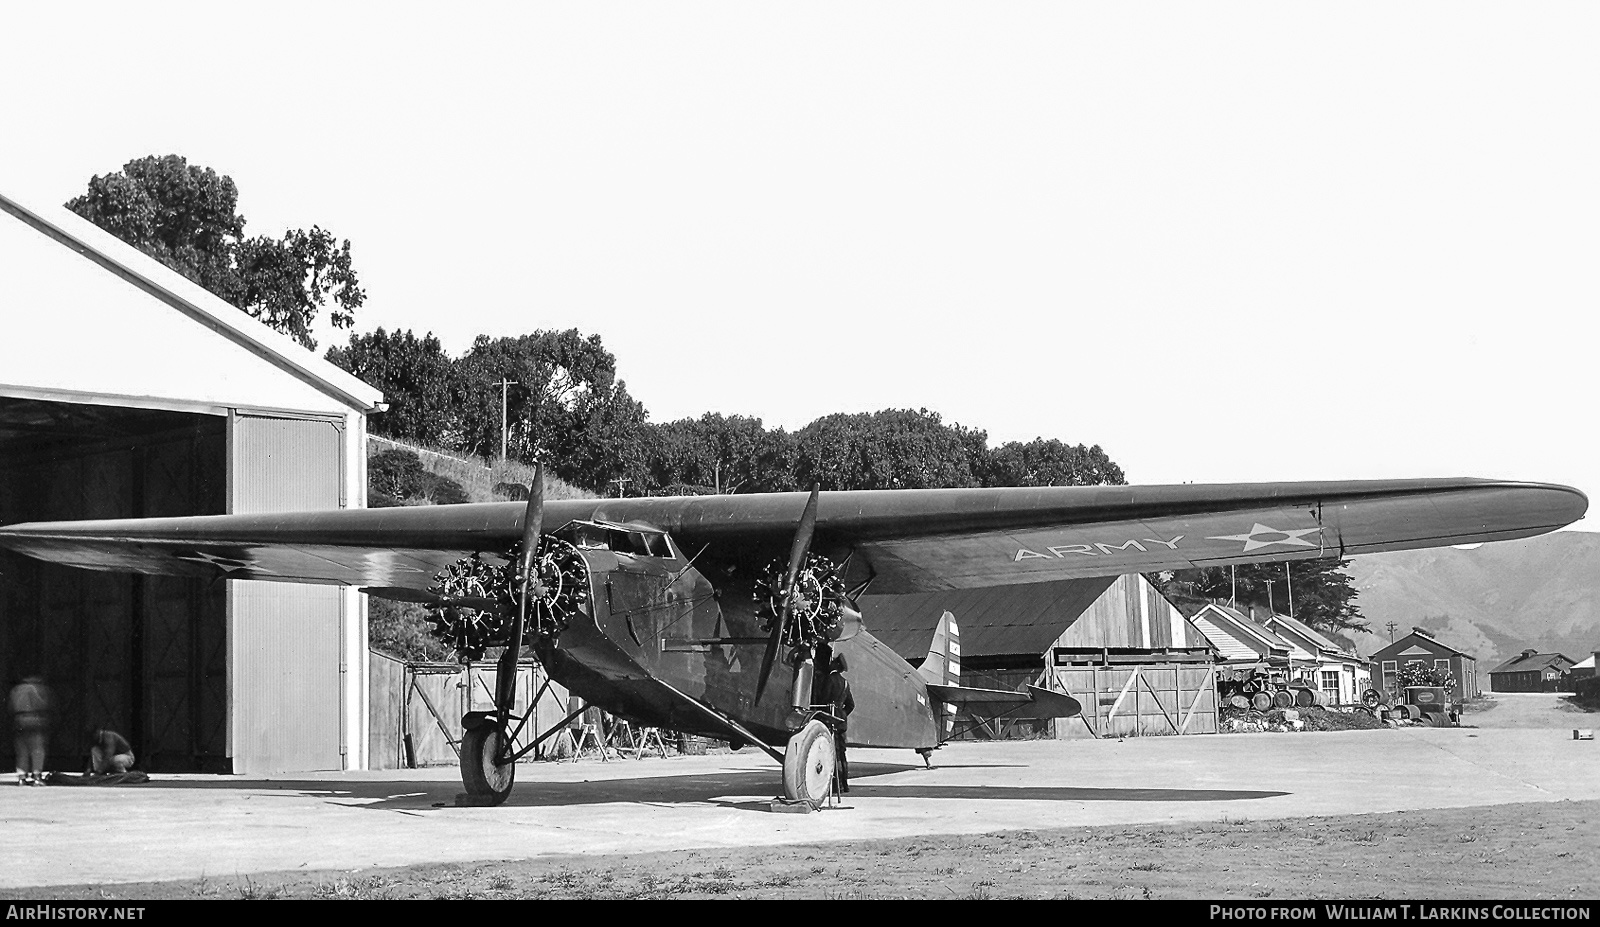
<point>727,722</point>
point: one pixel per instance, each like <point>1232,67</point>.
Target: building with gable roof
<point>1531,671</point>
<point>1334,670</point>
<point>127,390</point>
<point>1245,644</point>
<point>1114,643</point>
<point>1421,647</point>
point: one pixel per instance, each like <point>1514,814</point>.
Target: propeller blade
<point>532,529</point>
<point>797,559</point>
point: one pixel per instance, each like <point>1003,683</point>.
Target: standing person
<point>30,716</point>
<point>840,704</point>
<point>109,752</point>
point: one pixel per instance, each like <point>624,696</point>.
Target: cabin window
<point>591,536</point>
<point>1330,686</point>
<point>1442,666</point>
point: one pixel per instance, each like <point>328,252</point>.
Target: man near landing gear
<point>840,704</point>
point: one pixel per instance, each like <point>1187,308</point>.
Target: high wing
<point>895,541</point>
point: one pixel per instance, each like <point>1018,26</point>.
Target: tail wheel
<point>481,747</point>
<point>808,764</point>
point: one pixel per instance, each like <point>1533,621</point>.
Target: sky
<point>1225,241</point>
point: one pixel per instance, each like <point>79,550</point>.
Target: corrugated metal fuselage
<point>658,638</point>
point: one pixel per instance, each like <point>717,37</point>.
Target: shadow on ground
<point>710,788</point>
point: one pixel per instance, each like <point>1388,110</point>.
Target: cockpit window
<point>588,535</point>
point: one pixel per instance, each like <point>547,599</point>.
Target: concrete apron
<point>187,826</point>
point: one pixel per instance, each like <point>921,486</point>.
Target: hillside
<point>477,479</point>
<point>1491,602</point>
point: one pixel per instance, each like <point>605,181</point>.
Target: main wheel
<point>808,764</point>
<point>479,772</point>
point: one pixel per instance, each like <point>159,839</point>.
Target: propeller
<point>797,559</point>
<point>532,530</point>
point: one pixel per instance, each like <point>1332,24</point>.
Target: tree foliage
<point>1323,593</point>
<point>564,405</point>
<point>1422,674</point>
<point>398,477</point>
<point>1050,462</point>
<point>892,449</point>
<point>422,385</point>
<point>718,454</point>
<point>185,216</point>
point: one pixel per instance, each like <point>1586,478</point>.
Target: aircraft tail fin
<point>942,668</point>
<point>943,665</point>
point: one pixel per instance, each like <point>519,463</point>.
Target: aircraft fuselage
<point>658,637</point>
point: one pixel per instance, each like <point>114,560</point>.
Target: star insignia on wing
<point>225,564</point>
<point>1254,541</point>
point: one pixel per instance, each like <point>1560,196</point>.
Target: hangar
<point>126,390</point>
<point>1113,642</point>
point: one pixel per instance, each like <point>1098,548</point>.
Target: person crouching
<point>109,752</point>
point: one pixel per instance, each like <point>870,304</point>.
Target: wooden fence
<point>415,709</point>
<point>1139,700</point>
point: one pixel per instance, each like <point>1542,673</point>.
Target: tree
<point>892,449</point>
<point>1043,462</point>
<point>421,384</point>
<point>564,406</point>
<point>185,216</point>
<point>719,454</point>
<point>1324,594</point>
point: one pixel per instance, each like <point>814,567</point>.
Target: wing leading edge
<point>903,540</point>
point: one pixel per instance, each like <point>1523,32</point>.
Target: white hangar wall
<point>92,322</point>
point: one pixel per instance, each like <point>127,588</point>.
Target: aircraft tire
<point>808,764</point>
<point>479,773</point>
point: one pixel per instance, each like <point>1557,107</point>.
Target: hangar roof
<point>96,337</point>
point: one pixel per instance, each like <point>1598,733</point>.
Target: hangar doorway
<point>146,655</point>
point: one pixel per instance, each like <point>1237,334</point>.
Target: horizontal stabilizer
<point>1034,703</point>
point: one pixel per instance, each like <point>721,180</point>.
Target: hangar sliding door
<point>285,638</point>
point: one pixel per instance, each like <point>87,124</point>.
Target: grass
<point>477,477</point>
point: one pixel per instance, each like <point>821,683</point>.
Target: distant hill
<point>1491,602</point>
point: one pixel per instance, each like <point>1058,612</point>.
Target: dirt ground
<point>1539,850</point>
<point>1526,851</point>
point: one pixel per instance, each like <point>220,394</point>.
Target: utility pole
<point>505,386</point>
<point>622,485</point>
<point>1391,626</point>
<point>1233,585</point>
<point>1290,581</point>
<point>1270,610</point>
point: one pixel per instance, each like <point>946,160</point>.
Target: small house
<point>1421,647</point>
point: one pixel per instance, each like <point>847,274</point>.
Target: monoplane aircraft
<point>709,614</point>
